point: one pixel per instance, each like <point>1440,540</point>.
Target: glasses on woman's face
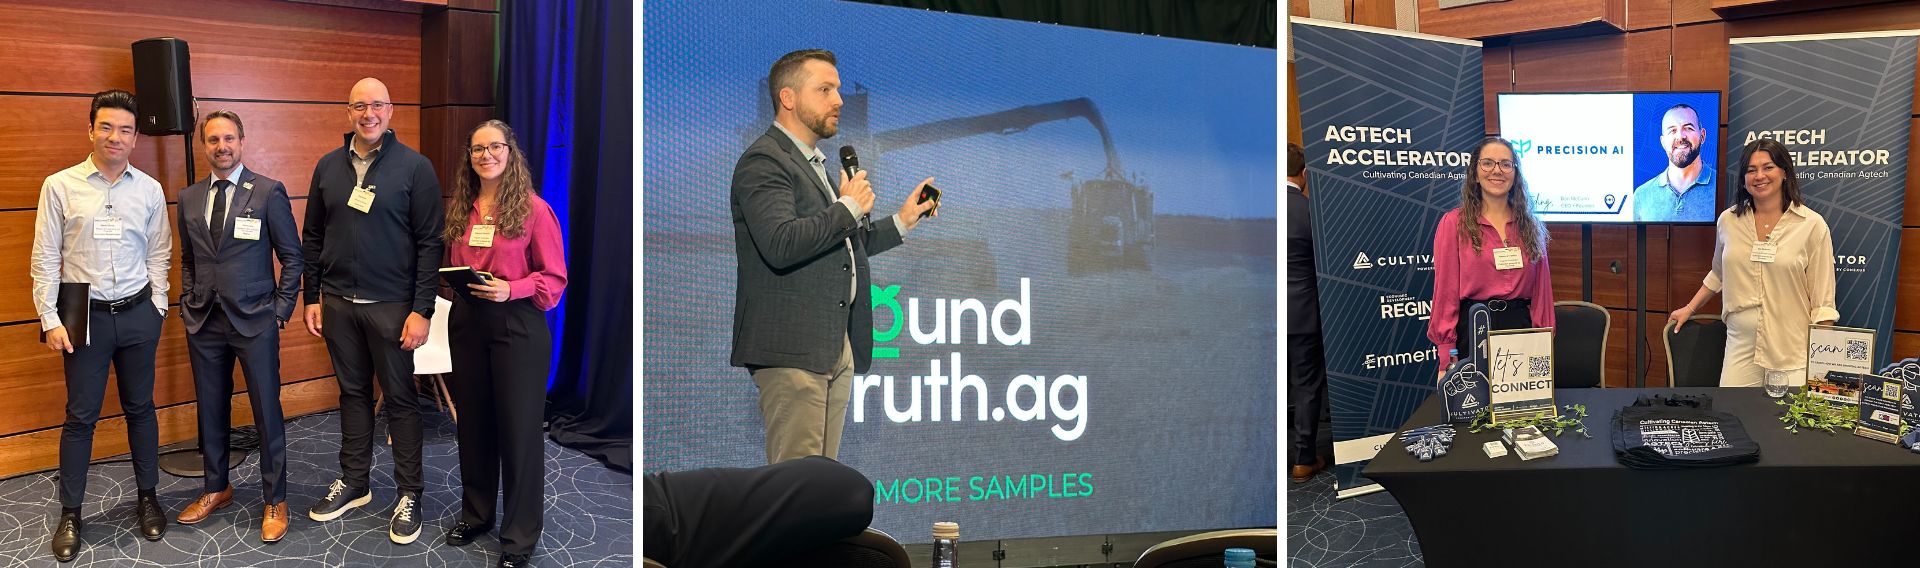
<point>1488,165</point>
<point>496,148</point>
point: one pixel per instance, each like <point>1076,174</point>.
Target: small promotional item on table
<point>1880,399</point>
<point>1428,442</point>
<point>1911,441</point>
<point>1679,432</point>
<point>1529,443</point>
<point>1465,386</point>
<point>1908,371</point>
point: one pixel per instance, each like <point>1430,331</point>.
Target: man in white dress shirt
<point>103,222</point>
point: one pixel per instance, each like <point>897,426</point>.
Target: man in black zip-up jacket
<point>373,251</point>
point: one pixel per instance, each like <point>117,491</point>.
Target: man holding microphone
<point>802,321</point>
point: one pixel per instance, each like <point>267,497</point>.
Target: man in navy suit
<point>802,321</point>
<point>233,224</point>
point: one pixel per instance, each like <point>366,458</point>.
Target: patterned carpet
<point>589,513</point>
<point>1369,530</point>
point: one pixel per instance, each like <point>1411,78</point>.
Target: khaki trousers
<point>805,412</point>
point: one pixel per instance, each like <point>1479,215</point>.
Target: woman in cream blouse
<point>1773,258</point>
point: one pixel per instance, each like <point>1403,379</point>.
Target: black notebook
<point>458,277</point>
<point>72,307</point>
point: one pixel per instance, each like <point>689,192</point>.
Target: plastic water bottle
<point>946,545</point>
<point>1239,558</point>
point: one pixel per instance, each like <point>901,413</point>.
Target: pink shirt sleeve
<point>1446,285</point>
<point>1541,302</point>
<point>546,275</point>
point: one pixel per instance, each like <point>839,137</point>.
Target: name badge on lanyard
<point>246,228</point>
<point>362,199</point>
<point>107,228</point>
<point>482,236</point>
<point>1508,258</point>
<point>1764,251</point>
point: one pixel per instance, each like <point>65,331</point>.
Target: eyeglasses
<point>496,148</point>
<point>1489,165</point>
<point>377,106</point>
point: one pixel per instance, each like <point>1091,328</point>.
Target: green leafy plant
<point>1573,418</point>
<point>1805,410</point>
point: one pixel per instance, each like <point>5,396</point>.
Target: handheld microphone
<point>850,161</point>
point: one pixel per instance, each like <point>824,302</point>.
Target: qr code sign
<point>1857,349</point>
<point>1539,366</point>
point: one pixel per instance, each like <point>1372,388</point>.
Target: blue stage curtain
<point>566,87</point>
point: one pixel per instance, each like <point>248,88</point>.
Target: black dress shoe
<point>514,560</point>
<point>464,532</point>
<point>66,538</point>
<point>153,520</point>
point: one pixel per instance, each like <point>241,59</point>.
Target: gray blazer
<point>239,273</point>
<point>790,305</point>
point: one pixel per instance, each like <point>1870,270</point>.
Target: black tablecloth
<point>1814,499</point>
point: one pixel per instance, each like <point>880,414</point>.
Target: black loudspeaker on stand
<point>163,89</point>
<point>163,85</point>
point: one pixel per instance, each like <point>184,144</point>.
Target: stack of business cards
<point>1529,443</point>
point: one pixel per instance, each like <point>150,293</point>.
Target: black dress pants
<point>126,340</point>
<point>501,353</point>
<point>213,351</point>
<point>1306,393</point>
<point>364,342</point>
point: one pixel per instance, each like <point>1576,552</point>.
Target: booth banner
<point>1389,119</point>
<point>1842,104</point>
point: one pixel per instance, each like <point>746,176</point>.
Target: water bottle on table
<point>1239,558</point>
<point>946,545</point>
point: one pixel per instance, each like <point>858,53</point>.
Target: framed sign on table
<point>1520,373</point>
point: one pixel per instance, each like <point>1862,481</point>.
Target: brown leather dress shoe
<point>1303,473</point>
<point>273,522</point>
<point>204,506</point>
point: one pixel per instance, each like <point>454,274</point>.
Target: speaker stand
<point>191,463</point>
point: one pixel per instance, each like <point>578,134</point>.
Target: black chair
<point>1580,344</point>
<point>870,549</point>
<point>1208,550</point>
<point>1695,352</point>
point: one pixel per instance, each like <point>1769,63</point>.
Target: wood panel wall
<point>1663,45</point>
<point>285,67</point>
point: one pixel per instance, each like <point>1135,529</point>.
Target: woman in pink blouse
<point>499,339</point>
<point>1496,256</point>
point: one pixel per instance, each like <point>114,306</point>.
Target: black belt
<point>1499,305</point>
<point>1504,314</point>
<point>123,304</point>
